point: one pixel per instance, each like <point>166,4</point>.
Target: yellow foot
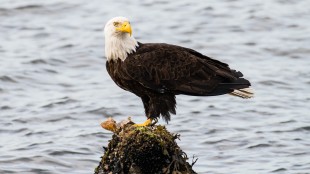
<point>148,122</point>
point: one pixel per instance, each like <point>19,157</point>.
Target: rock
<point>142,150</point>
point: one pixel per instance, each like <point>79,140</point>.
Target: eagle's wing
<point>170,68</point>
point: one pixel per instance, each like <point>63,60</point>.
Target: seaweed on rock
<point>143,150</point>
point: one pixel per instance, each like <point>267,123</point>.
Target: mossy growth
<point>143,150</point>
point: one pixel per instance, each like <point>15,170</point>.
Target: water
<point>54,88</point>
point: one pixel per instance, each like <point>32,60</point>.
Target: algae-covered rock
<point>143,150</point>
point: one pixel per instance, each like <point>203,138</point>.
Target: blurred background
<point>54,88</point>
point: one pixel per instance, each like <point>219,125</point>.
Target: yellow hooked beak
<point>126,28</point>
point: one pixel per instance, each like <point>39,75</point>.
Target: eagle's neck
<point>119,46</point>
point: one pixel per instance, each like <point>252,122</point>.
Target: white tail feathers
<point>243,93</point>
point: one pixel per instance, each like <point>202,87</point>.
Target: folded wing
<point>169,68</point>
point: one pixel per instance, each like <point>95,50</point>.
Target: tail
<point>243,93</point>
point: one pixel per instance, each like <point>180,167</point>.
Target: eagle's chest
<point>115,71</point>
<point>120,77</point>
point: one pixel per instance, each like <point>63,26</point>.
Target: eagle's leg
<point>148,122</point>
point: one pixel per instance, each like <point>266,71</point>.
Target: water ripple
<point>54,89</point>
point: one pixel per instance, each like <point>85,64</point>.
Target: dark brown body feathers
<point>158,72</point>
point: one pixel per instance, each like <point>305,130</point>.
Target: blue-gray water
<point>54,88</point>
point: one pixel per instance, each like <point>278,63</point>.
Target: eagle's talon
<point>155,120</point>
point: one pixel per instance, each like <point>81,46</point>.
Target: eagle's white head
<point>119,41</point>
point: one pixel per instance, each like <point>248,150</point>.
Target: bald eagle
<point>157,72</point>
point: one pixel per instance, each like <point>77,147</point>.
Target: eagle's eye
<point>115,24</point>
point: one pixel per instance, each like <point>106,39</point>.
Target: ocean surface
<point>55,91</point>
